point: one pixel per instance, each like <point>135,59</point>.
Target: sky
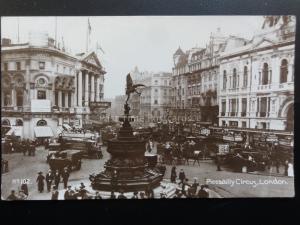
<point>147,42</point>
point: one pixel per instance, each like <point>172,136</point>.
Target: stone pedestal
<point>127,169</point>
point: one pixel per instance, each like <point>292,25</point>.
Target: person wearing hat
<point>121,195</point>
<point>40,180</point>
<point>54,193</point>
<point>12,196</point>
<point>173,174</point>
<point>142,195</point>
<point>65,177</point>
<point>56,178</point>
<point>135,195</point>
<point>49,179</point>
<point>98,196</point>
<point>202,193</point>
<point>181,176</point>
<point>112,195</point>
<point>192,191</point>
<point>83,192</point>
<point>68,193</point>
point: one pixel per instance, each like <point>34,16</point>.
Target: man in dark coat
<point>202,193</point>
<point>12,196</point>
<point>24,188</point>
<point>54,194</point>
<point>56,178</point>
<point>68,193</point>
<point>121,195</point>
<point>181,176</point>
<point>40,180</point>
<point>112,195</point>
<point>173,174</point>
<point>65,177</point>
<point>49,179</point>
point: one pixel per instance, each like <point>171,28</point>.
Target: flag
<point>98,47</point>
<point>89,26</point>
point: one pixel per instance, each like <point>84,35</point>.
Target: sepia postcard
<point>147,107</point>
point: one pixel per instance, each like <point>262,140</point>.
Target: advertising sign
<point>223,149</point>
<point>40,105</point>
<point>100,105</point>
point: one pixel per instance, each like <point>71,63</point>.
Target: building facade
<point>44,86</point>
<point>257,78</point>
<point>195,79</point>
<point>153,103</point>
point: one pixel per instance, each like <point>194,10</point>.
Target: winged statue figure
<point>130,87</point>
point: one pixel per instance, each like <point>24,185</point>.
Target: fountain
<point>127,169</point>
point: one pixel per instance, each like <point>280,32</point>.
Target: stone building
<point>44,86</point>
<point>153,104</point>
<point>257,78</point>
<point>195,79</point>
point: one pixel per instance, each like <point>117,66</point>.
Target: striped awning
<point>43,131</point>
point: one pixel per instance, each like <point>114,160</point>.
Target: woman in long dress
<point>290,170</point>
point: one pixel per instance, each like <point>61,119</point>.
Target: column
<point>75,91</point>
<point>227,107</point>
<point>79,99</point>
<point>13,97</point>
<point>86,91</point>
<point>66,99</point>
<point>98,88</point>
<point>59,99</point>
<point>290,74</point>
<point>239,106</point>
<point>92,87</point>
<point>26,98</point>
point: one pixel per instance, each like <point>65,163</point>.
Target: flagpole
<point>87,36</point>
<point>56,32</point>
<point>18,30</point>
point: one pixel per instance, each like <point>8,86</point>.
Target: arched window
<point>234,78</point>
<point>224,79</point>
<point>245,79</point>
<point>5,122</point>
<point>41,123</point>
<point>265,74</point>
<point>19,122</point>
<point>283,71</point>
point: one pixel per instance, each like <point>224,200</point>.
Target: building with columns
<point>257,78</point>
<point>43,86</point>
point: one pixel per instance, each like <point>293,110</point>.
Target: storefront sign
<point>100,105</point>
<point>223,149</point>
<point>205,131</point>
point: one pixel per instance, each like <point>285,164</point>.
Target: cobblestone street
<point>27,167</point>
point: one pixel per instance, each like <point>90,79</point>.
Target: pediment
<point>92,59</point>
<point>263,43</point>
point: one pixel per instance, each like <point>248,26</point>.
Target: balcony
<point>233,113</point>
<point>261,114</point>
<point>15,109</point>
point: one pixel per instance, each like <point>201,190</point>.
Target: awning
<point>67,126</point>
<point>43,131</point>
<point>17,131</point>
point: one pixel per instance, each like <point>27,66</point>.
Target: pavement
<point>224,184</point>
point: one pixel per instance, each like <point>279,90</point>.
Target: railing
<point>233,113</point>
<point>15,109</point>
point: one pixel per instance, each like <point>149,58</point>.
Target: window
<point>165,91</point>
<point>41,123</point>
<point>223,106</point>
<point>234,79</point>
<point>156,82</point>
<point>209,77</point>
<point>5,66</point>
<point>224,79</point>
<point>56,98</point>
<point>265,74</point>
<point>155,90</point>
<point>283,71</point>
<point>18,65</point>
<point>245,79</point>
<point>41,81</point>
<point>42,65</point>
<point>19,122</point>
<point>5,122</point>
<point>63,102</point>
<point>155,102</point>
<point>244,124</point>
<point>41,94</point>
<point>69,99</point>
<point>165,82</point>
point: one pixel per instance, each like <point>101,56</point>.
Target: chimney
<point>5,42</point>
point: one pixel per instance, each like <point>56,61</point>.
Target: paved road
<point>224,183</point>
